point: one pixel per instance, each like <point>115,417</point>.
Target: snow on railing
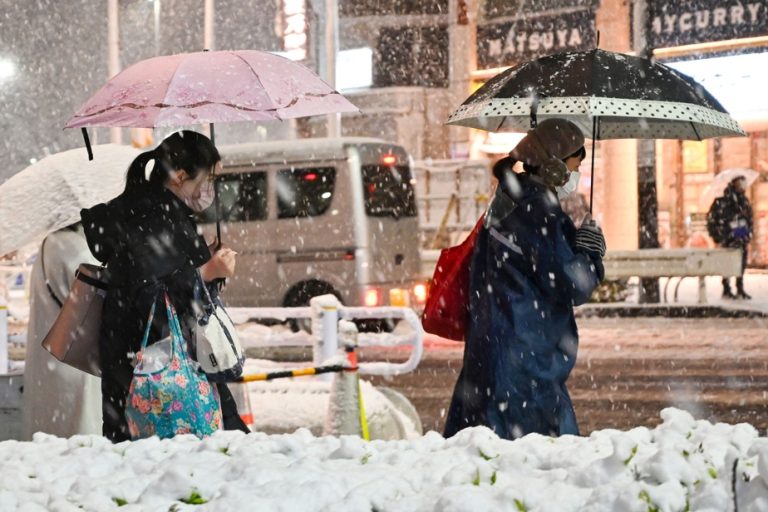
<point>325,312</point>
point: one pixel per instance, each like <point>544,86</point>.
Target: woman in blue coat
<point>529,268</point>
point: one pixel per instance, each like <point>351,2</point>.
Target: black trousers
<point>232,419</point>
<point>740,279</point>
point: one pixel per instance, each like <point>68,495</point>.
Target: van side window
<point>305,192</point>
<point>388,191</point>
<point>242,198</point>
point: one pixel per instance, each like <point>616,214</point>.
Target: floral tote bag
<point>169,394</point>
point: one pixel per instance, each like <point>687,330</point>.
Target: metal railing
<point>324,314</point>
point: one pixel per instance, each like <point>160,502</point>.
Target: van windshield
<point>388,191</point>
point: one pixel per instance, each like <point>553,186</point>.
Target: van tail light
<point>372,297</point>
<point>420,292</point>
<point>389,160</point>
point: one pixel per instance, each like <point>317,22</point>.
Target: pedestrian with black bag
<point>729,223</point>
<point>154,257</point>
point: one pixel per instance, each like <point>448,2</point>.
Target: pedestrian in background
<point>729,223</point>
<point>148,239</point>
<point>57,398</point>
<point>529,268</point>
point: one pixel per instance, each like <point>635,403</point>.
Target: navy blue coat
<point>521,342</point>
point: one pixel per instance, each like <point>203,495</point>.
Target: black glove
<point>589,237</point>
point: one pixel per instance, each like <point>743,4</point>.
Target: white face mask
<point>570,185</point>
<point>204,201</point>
<point>198,196</point>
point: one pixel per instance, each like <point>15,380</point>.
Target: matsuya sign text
<point>701,21</point>
<point>512,42</point>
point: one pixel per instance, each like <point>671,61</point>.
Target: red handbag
<point>447,308</point>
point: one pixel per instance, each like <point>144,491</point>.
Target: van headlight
<point>372,297</point>
<point>420,292</point>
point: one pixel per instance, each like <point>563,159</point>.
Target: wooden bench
<point>656,263</point>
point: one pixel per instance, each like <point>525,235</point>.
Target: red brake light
<point>310,176</point>
<point>388,159</point>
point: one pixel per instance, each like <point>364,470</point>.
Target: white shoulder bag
<point>217,345</point>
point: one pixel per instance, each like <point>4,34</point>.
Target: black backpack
<point>714,221</point>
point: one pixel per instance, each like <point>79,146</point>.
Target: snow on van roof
<point>295,149</point>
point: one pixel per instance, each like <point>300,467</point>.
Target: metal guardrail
<point>326,311</point>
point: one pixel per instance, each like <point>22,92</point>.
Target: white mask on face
<point>191,188</point>
<point>204,201</point>
<point>570,185</point>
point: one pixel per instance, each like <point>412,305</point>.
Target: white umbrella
<point>721,180</point>
<point>49,194</point>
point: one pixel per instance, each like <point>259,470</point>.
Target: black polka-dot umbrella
<point>608,95</point>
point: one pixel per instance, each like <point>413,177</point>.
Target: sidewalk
<point>755,284</point>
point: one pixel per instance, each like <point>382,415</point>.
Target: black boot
<point>740,293</point>
<point>727,290</point>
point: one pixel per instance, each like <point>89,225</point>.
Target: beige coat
<point>57,398</point>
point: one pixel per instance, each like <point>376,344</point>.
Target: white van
<point>316,216</point>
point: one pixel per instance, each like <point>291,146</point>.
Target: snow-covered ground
<point>683,464</point>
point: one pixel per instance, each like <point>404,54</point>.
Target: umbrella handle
<point>87,143</point>
<point>534,110</point>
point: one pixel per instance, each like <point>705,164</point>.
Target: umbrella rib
<point>200,104</point>
<point>693,125</point>
<point>261,84</point>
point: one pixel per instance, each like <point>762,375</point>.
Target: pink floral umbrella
<point>209,87</point>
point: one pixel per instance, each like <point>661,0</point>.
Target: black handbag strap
<point>45,277</point>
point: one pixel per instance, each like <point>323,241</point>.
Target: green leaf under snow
<point>712,472</point>
<point>493,478</point>
<point>476,481</point>
<point>364,459</point>
<point>119,501</point>
<point>486,457</point>
<point>194,499</point>
<point>647,499</point>
<point>631,456</point>
<point>520,506</point>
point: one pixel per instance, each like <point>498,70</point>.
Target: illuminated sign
<point>700,21</point>
<point>512,42</point>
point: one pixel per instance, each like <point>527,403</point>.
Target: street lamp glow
<point>7,69</point>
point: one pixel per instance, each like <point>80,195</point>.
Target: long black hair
<point>188,150</point>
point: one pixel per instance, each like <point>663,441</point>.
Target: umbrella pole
<point>592,172</point>
<point>216,195</point>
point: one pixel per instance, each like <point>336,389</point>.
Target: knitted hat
<point>557,138</point>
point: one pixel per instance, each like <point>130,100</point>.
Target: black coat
<point>525,277</point>
<point>729,220</point>
<point>149,242</point>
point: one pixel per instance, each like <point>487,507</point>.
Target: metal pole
<point>648,206</point>
<point>113,45</point>
<point>325,329</point>
<point>331,48</point>
<point>4,366</point>
<point>156,5</point>
<point>209,40</point>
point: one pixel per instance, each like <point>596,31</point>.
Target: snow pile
<point>683,464</point>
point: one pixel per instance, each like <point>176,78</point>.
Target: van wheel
<point>299,296</point>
